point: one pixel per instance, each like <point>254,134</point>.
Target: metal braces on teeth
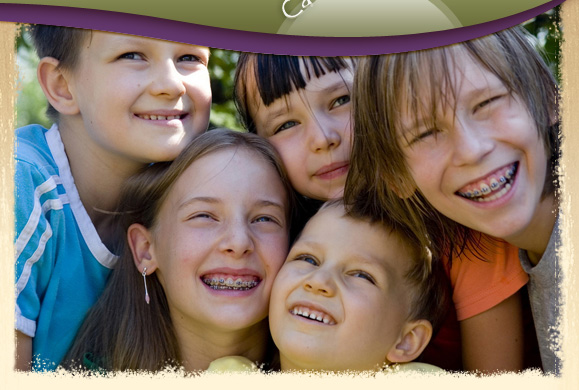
<point>503,181</point>
<point>485,189</point>
<point>230,284</point>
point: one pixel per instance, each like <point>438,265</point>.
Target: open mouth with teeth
<point>221,282</point>
<point>313,315</point>
<point>161,117</point>
<point>493,187</point>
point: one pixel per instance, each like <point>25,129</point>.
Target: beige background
<point>570,165</point>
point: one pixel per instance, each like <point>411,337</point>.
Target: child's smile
<point>493,187</point>
<point>482,163</point>
<point>232,280</point>
<point>339,301</point>
<point>163,116</point>
<point>312,313</point>
<point>220,238</point>
<point>141,99</point>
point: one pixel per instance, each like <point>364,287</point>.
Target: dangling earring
<point>145,281</point>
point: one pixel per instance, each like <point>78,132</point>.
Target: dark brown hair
<point>387,85</point>
<point>276,76</point>
<point>61,43</point>
<point>121,331</point>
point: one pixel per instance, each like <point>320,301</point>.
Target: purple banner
<point>251,41</point>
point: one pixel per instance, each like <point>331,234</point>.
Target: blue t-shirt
<point>61,263</point>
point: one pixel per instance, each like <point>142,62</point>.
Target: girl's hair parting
<point>270,77</point>
<point>379,181</point>
<point>123,332</point>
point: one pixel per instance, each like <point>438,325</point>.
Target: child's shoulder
<point>39,160</point>
<point>31,132</point>
<point>32,145</point>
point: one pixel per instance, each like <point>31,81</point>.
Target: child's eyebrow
<point>273,113</point>
<point>212,200</point>
<point>407,128</point>
<point>270,203</point>
<point>370,260</point>
<point>331,88</point>
<point>491,86</point>
<point>198,199</point>
<point>308,244</point>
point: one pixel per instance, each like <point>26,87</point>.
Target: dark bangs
<point>276,76</point>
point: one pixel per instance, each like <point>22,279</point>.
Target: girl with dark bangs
<point>302,106</point>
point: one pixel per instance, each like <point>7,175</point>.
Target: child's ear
<point>414,337</point>
<point>55,85</point>
<point>142,248</point>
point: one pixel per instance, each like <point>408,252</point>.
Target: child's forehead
<point>349,231</point>
<point>349,242</point>
<point>330,81</point>
<point>442,84</point>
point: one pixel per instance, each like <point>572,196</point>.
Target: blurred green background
<point>31,104</point>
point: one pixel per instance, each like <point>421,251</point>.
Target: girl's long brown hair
<point>123,332</point>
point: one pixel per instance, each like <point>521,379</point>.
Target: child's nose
<point>320,282</point>
<point>237,240</point>
<point>471,142</point>
<point>167,80</point>
<point>324,134</point>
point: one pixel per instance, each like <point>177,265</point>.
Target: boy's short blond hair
<point>425,274</point>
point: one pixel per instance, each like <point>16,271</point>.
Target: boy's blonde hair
<point>379,179</point>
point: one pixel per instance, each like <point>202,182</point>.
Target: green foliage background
<point>31,104</point>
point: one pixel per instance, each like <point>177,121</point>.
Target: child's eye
<point>487,102</point>
<point>201,216</point>
<point>363,275</point>
<point>131,56</point>
<point>263,219</point>
<point>308,259</point>
<point>190,58</point>
<point>266,218</point>
<point>423,135</point>
<point>341,101</point>
<point>286,125</point>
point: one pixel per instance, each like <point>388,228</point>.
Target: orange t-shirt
<point>477,286</point>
